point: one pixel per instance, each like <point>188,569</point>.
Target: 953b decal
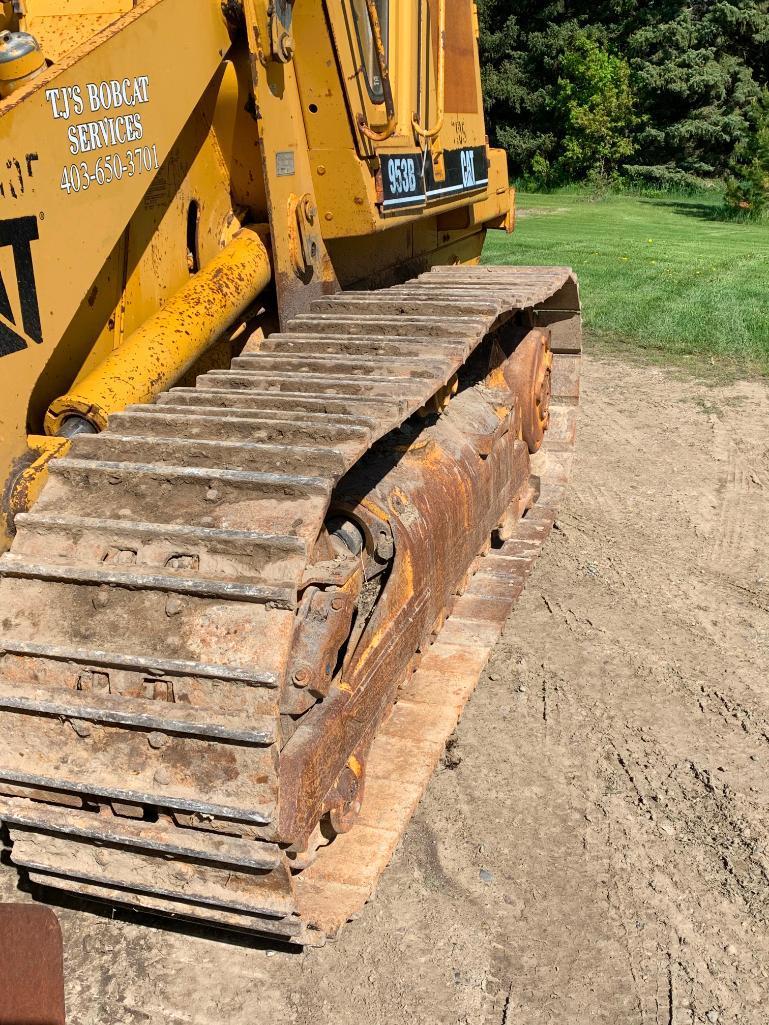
<point>409,183</point>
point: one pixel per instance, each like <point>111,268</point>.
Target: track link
<point>149,604</point>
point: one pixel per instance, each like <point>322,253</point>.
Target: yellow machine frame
<point>158,132</point>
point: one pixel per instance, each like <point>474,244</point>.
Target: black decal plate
<point>403,184</point>
<point>408,184</point>
<point>467,170</point>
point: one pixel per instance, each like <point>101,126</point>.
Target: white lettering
<point>82,134</point>
<point>118,97</point>
<point>468,169</point>
<point>108,131</point>
<point>52,95</point>
<point>93,95</point>
<point>109,167</point>
<point>119,129</point>
<point>111,94</point>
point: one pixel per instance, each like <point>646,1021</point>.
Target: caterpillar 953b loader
<point>277,452</point>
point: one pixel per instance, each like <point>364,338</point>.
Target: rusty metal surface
<point>31,966</point>
<point>441,498</point>
<point>529,376</point>
<point>429,703</point>
<point>171,341</point>
<point>176,571</point>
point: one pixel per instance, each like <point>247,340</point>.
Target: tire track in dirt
<point>572,910</point>
<point>744,502</point>
<point>679,691</point>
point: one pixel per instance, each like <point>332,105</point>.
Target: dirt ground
<point>596,846</point>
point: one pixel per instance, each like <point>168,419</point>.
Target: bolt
<point>385,548</point>
<point>212,495</point>
<point>83,729</point>
<point>174,606</point>
<point>157,740</point>
<point>100,600</point>
<point>162,776</point>
<point>100,858</point>
<point>301,677</point>
<point>337,604</point>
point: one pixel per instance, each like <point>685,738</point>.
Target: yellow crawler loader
<point>277,452</point>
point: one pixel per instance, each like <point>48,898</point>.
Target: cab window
<point>366,43</point>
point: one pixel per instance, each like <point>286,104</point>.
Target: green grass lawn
<point>660,274</point>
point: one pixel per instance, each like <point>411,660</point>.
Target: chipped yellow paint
<point>108,257</point>
<point>168,344</point>
<point>31,480</point>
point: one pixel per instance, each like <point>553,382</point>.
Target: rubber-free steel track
<point>149,604</point>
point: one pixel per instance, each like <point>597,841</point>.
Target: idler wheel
<point>528,373</point>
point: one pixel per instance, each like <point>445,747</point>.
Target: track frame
<point>77,832</point>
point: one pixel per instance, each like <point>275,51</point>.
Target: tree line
<point>654,92</point>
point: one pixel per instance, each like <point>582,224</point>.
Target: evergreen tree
<point>697,69</point>
<point>521,48</point>
<point>747,189</point>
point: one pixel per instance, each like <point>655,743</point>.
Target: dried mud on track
<point>596,846</point>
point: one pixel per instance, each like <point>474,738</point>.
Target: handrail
<point>431,133</point>
<point>384,75</point>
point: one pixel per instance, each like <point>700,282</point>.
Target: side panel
<point>302,268</point>
<point>435,158</point>
<point>73,126</point>
<point>62,27</point>
<point>462,82</point>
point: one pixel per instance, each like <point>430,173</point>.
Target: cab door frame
<point>366,108</point>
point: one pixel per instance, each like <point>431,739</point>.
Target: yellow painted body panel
<point>167,344</point>
<point>160,129</point>
<point>62,27</point>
